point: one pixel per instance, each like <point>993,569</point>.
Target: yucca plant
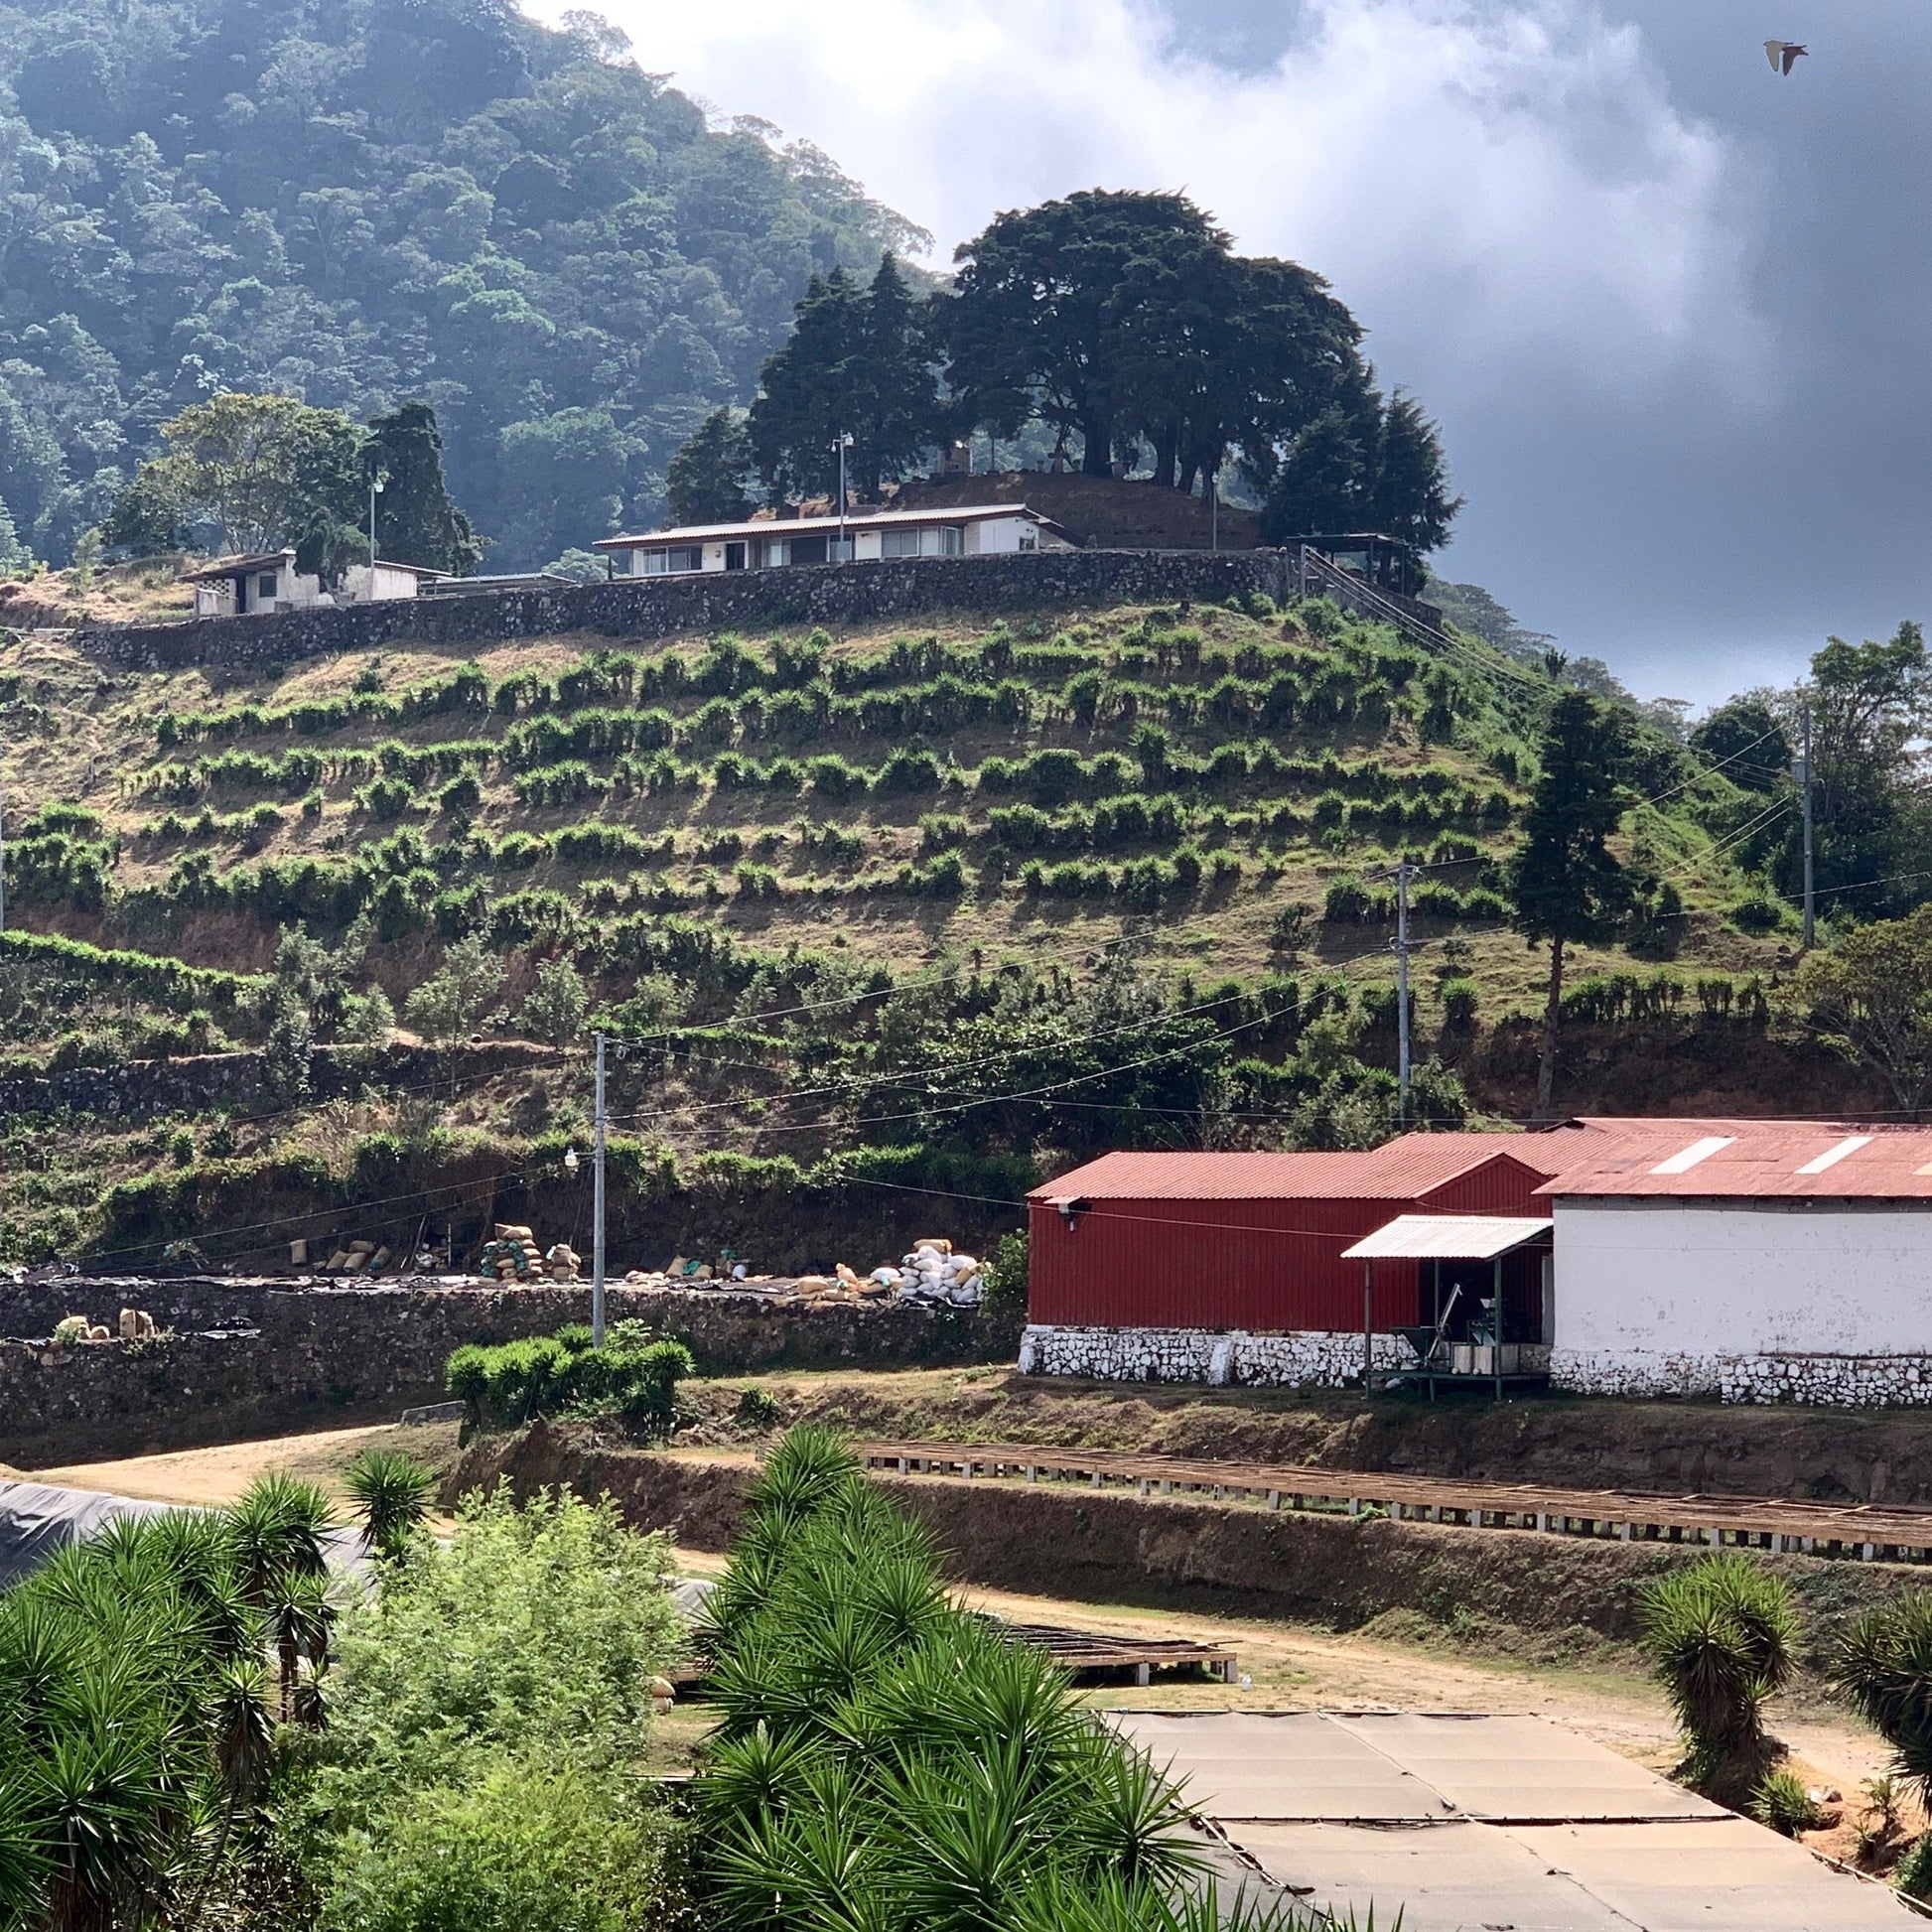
<point>391,1493</point>
<point>1721,1638</point>
<point>886,1760</point>
<point>1883,1666</point>
<point>275,1529</point>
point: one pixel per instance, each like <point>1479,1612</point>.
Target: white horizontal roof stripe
<point>787,526</point>
<point>1686,1159</point>
<point>1834,1154</point>
<point>1446,1237</point>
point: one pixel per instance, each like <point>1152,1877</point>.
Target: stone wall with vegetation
<point>678,606</point>
<point>256,1358</point>
<point>209,1082</point>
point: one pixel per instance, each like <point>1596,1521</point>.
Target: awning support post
<point>1497,1327</point>
<point>1368,1323</point>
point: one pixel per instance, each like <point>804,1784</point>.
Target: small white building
<point>234,587</point>
<point>1753,1261</point>
<point>382,580</point>
<point>873,536</point>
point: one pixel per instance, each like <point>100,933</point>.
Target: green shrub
<point>387,798</point>
<point>1459,999</point>
<point>634,1375</point>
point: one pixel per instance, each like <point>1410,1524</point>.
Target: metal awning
<point>1447,1237</point>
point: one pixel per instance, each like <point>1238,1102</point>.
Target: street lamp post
<point>376,483</point>
<point>842,443</point>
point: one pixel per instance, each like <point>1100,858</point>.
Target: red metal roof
<point>1399,1169</point>
<point>1754,1160</point>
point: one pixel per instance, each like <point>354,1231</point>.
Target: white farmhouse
<point>1759,1261</point>
<point>769,543</point>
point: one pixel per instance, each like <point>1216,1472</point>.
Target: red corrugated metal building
<point>1254,1241</point>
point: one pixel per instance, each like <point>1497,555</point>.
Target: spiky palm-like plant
<point>1720,1637</point>
<point>391,1492</point>
<point>1884,1666</point>
<point>276,1527</point>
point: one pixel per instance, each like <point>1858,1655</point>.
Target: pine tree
<point>809,395</point>
<point>1321,488</point>
<point>416,522</point>
<point>705,482</point>
<point>1566,886</point>
<point>1408,497</point>
<point>894,383</point>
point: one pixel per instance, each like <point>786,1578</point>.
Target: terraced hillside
<point>970,900</point>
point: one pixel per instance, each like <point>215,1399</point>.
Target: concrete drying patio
<point>1463,1820</point>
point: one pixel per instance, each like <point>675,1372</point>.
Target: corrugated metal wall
<point>1268,1265</point>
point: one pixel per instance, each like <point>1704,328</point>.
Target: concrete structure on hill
<point>872,536</point>
<point>1750,1261</point>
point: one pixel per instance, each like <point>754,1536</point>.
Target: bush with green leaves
<point>884,1760</point>
<point>451,1004</point>
<point>1783,1803</point>
<point>1004,1281</point>
<point>555,1008</point>
<point>478,1773</point>
<point>1720,1637</point>
<point>634,1375</point>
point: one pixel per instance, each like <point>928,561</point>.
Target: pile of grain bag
<point>933,1273</point>
<point>513,1256</point>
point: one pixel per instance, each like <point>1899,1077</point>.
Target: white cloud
<point>1505,193</point>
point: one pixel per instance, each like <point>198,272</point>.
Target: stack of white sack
<point>933,1273</point>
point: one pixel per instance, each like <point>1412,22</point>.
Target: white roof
<point>1446,1237</point>
<point>788,527</point>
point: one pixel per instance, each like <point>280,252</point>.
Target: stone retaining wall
<point>256,1358</point>
<point>202,1082</point>
<point>836,595</point>
<point>1821,1381</point>
<point>1308,1358</point>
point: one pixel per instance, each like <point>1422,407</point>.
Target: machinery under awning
<point>1447,1237</point>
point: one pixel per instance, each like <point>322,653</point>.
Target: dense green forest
<point>380,201</point>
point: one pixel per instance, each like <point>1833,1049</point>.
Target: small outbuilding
<point>1235,1267</point>
<point>1751,1260</point>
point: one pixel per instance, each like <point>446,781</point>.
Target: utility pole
<point>376,483</point>
<point>1804,781</point>
<point>1213,514</point>
<point>3,850</point>
<point>1402,873</point>
<point>596,1206</point>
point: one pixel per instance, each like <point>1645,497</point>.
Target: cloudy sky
<point>1671,311</point>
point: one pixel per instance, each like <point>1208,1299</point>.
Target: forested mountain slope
<point>360,202</point>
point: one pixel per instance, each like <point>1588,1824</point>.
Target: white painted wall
<point>1696,1278</point>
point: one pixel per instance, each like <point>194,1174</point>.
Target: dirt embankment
<point>1559,1597</point>
<point>1664,1447</point>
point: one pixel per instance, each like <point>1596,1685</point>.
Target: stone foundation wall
<point>677,607</point>
<point>1308,1358</point>
<point>253,1358</point>
<point>1821,1381</point>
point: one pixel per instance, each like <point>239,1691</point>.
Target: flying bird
<point>1784,53</point>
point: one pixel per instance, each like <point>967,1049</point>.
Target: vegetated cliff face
<point>1116,861</point>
